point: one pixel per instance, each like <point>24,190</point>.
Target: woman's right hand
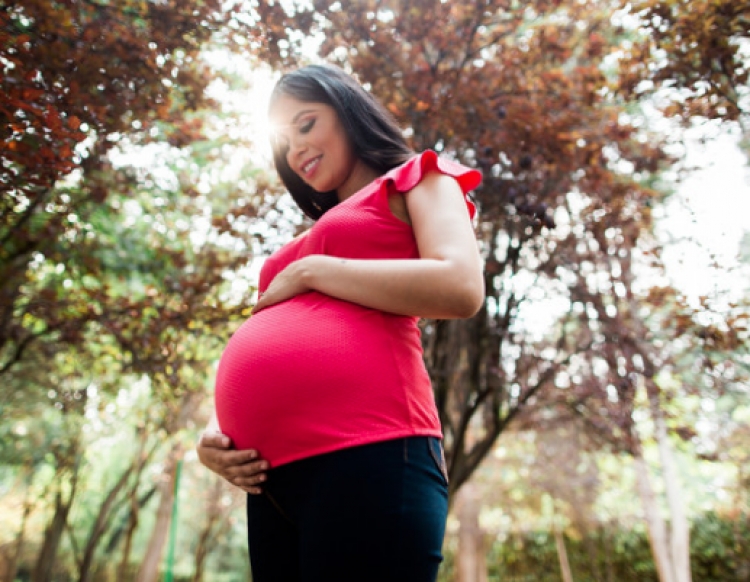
<point>243,469</point>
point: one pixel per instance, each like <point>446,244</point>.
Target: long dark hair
<point>372,131</point>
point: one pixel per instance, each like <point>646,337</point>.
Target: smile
<point>311,165</point>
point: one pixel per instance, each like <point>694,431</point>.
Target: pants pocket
<point>438,455</point>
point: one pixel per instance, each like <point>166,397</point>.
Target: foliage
<point>77,77</point>
<point>613,552</point>
<point>111,271</point>
<point>620,555</point>
<point>697,48</point>
<point>117,273</point>
<point>719,547</point>
<point>524,92</point>
<point>165,307</point>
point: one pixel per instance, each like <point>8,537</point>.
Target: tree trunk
<point>122,571</point>
<point>149,571</point>
<point>471,560</point>
<point>136,503</point>
<point>12,566</point>
<point>53,534</point>
<point>562,554</point>
<point>680,529</point>
<point>607,543</point>
<point>111,505</point>
<point>657,530</point>
<point>100,524</point>
<point>215,513</point>
<point>201,552</point>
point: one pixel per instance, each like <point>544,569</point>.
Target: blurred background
<point>596,412</point>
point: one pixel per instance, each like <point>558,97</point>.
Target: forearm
<point>430,288</point>
<point>445,282</point>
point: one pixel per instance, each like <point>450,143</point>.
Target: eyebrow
<point>295,119</point>
<point>300,114</point>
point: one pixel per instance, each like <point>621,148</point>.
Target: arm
<point>241,468</point>
<point>445,282</point>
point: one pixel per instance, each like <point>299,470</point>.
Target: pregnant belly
<point>308,371</point>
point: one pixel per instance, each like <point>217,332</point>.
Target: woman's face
<point>317,147</point>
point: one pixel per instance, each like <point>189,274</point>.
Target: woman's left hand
<point>287,284</point>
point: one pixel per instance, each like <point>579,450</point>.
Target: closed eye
<point>307,126</point>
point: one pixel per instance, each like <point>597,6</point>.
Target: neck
<point>360,177</point>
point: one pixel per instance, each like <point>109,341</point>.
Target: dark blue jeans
<point>370,513</point>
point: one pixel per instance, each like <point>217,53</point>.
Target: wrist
<point>313,270</point>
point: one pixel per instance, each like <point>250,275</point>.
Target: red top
<point>315,374</point>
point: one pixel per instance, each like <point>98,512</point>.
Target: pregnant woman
<point>324,409</point>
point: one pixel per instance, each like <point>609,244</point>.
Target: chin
<point>322,188</point>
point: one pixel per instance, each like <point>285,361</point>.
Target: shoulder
<point>428,172</point>
<point>406,176</point>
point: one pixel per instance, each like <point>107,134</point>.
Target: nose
<point>297,146</point>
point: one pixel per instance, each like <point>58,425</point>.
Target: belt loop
<point>406,450</point>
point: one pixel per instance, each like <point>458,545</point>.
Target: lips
<point>309,166</point>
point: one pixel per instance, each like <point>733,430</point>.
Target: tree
<point>101,261</point>
<point>84,278</point>
<point>522,92</point>
<point>698,50</point>
<point>77,77</point>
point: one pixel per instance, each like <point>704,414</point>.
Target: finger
<point>252,480</point>
<point>258,306</point>
<point>241,458</point>
<point>215,440</point>
<point>249,474</point>
<point>262,303</point>
<point>228,463</point>
<point>252,469</point>
<point>251,483</point>
<point>246,487</point>
<point>252,490</point>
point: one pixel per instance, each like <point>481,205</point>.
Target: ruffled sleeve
<point>408,175</point>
